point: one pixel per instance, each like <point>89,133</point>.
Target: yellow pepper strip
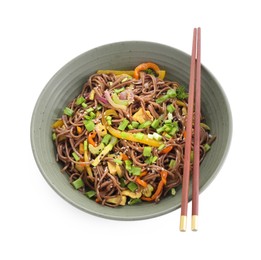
<point>131,137</point>
<point>125,135</point>
<point>57,124</point>
<point>161,73</point>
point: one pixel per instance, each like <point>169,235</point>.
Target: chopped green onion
<point>89,125</point>
<point>145,125</point>
<point>85,145</point>
<point>155,123</point>
<point>206,127</point>
<point>138,136</point>
<point>134,201</point>
<point>161,129</point>
<point>54,136</point>
<point>172,163</point>
<point>128,165</point>
<point>75,156</point>
<point>118,161</point>
<point>147,151</point>
<point>170,108</point>
<point>67,111</point>
<point>135,124</point>
<point>106,139</point>
<point>90,109</point>
<point>168,136</point>
<point>84,105</point>
<point>77,184</point>
<point>161,147</point>
<point>132,186</point>
<point>119,90</point>
<point>171,93</point>
<point>151,159</point>
<point>80,100</point>
<point>92,115</point>
<point>157,137</point>
<point>135,170</point>
<point>162,99</point>
<point>130,127</point>
<point>206,147</point>
<point>90,193</point>
<point>124,123</point>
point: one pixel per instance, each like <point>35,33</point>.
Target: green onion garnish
<point>89,125</point>
<point>171,93</point>
<point>80,100</point>
<point>77,184</point>
<point>124,123</point>
<point>155,123</point>
<point>90,193</point>
<point>145,125</point>
<point>162,99</point>
<point>67,111</point>
<point>128,165</point>
<point>147,151</point>
<point>170,108</point>
<point>75,156</point>
<point>106,139</point>
<point>119,90</point>
<point>135,170</point>
<point>84,105</point>
<point>135,124</point>
<point>132,186</point>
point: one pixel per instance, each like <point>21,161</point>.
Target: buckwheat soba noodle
<point>121,141</point>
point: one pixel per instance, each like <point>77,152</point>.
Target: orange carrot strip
<point>141,182</point>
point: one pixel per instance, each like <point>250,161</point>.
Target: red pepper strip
<point>162,182</point>
<point>145,66</point>
<point>91,136</point>
<point>166,150</point>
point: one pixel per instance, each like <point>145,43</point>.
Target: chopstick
<point>195,72</point>
<point>196,162</point>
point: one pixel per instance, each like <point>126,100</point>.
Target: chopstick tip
<point>183,223</point>
<point>194,223</point>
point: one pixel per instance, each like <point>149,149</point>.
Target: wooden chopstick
<point>196,162</point>
<point>188,140</point>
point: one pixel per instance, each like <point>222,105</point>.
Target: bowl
<point>66,84</point>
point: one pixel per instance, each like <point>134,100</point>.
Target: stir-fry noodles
<point>121,141</point>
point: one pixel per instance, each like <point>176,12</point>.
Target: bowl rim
<point>124,217</point>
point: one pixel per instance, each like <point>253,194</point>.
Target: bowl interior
<point>67,83</point>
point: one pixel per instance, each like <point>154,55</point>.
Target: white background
<point>37,38</point>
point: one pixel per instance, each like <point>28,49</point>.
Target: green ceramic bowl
<point>67,83</point>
